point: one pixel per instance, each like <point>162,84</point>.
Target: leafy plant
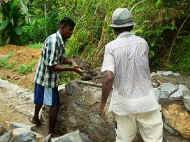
<point>163,23</point>
<point>13,18</point>
<point>35,45</point>
<point>4,61</point>
<point>26,68</point>
<point>182,55</point>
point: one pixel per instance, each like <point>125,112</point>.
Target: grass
<point>35,45</point>
<point>26,68</point>
<point>22,69</point>
<point>4,61</point>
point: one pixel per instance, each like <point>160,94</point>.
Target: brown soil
<point>21,55</point>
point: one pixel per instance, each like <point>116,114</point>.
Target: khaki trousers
<point>149,124</point>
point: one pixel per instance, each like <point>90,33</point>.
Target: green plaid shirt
<point>52,53</point>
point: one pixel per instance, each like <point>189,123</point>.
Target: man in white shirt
<point>127,77</point>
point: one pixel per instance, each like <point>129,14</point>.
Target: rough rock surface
<point>5,137</point>
<point>172,89</point>
<point>79,104</point>
<point>20,133</point>
<point>20,99</point>
<point>78,110</point>
<point>178,118</point>
<point>75,136</point>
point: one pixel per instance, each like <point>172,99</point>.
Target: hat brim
<point>123,25</point>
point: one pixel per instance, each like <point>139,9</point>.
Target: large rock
<point>78,110</point>
<point>18,132</point>
<point>173,138</point>
<point>170,77</point>
<point>75,136</point>
<point>172,91</point>
<point>186,98</point>
<point>176,116</point>
<point>165,73</point>
<point>19,99</point>
<point>80,102</point>
<point>5,137</point>
<point>2,130</point>
<point>25,135</point>
<point>167,89</point>
<point>13,125</point>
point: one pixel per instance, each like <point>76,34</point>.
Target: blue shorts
<point>46,96</point>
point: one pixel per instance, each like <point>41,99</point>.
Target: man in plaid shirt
<point>47,74</point>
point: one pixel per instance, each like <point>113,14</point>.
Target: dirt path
<point>16,105</point>
<point>9,115</point>
<point>11,99</point>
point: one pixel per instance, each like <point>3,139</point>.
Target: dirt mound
<point>19,56</point>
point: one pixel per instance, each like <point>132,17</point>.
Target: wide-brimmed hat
<point>122,18</point>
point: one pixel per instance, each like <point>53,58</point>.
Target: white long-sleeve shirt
<point>127,58</point>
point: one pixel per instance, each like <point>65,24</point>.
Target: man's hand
<point>60,68</point>
<point>78,70</point>
<point>77,67</point>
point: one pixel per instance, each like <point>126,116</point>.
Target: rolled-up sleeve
<point>50,52</point>
<point>108,61</point>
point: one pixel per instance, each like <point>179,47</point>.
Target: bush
<point>24,69</point>
<point>35,45</point>
<point>181,56</point>
<point>38,30</point>
<point>4,61</point>
<point>13,17</point>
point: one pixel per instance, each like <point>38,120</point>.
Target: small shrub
<point>24,69</point>
<point>4,61</point>
<point>35,45</point>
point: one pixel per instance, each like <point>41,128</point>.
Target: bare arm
<point>106,88</point>
<point>60,68</point>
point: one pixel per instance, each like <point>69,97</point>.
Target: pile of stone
<point>172,91</point>
<point>75,136</point>
<point>17,132</point>
<point>80,99</point>
<point>79,103</point>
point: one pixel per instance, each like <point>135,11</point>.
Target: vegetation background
<point>165,24</point>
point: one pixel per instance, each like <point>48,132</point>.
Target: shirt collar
<point>124,34</point>
<point>60,37</point>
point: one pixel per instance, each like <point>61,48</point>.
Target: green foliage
<point>22,69</point>
<point>66,77</point>
<point>4,61</point>
<point>39,29</point>
<point>163,23</point>
<point>35,45</point>
<point>44,21</point>
<point>182,56</point>
<point>26,68</point>
<point>13,18</point>
<point>158,21</point>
